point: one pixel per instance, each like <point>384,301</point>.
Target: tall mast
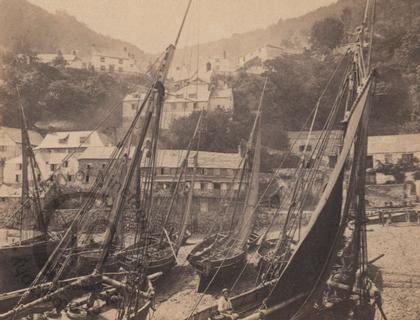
<point>25,184</point>
<point>250,207</point>
<point>154,106</point>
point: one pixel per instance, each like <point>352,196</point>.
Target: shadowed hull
<point>20,264</point>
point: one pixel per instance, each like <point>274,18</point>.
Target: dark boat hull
<point>19,265</point>
<point>159,260</point>
<point>215,272</point>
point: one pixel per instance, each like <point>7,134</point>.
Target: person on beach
<point>224,306</point>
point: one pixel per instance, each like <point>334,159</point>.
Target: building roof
<point>403,143</point>
<point>112,53</point>
<point>302,135</point>
<point>49,57</point>
<point>73,139</point>
<point>16,135</point>
<point>173,158</point>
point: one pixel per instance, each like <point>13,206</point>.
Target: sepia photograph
<point>209,159</point>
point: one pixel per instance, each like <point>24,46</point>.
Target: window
<point>133,106</point>
<point>120,61</point>
<point>103,165</point>
<point>370,178</point>
<point>210,186</point>
<point>3,148</point>
<point>87,178</point>
<point>111,68</point>
<point>89,166</point>
<point>179,96</point>
<point>103,68</point>
<point>192,95</point>
<point>120,69</point>
<point>407,158</point>
<point>19,166</point>
<point>173,171</point>
<point>52,167</point>
<point>302,148</point>
<point>195,105</point>
<point>216,186</point>
<point>102,59</point>
<point>69,177</point>
<point>84,139</point>
<point>332,160</point>
<point>66,164</point>
<point>216,172</point>
<point>17,178</point>
<point>369,162</point>
<point>388,158</point>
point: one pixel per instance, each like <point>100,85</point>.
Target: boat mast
<point>28,159</point>
<point>250,207</point>
<point>154,106</point>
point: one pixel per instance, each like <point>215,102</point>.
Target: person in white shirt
<point>224,306</point>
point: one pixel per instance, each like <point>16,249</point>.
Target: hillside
<point>289,32</point>
<point>45,32</point>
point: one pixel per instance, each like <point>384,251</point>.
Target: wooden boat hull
<point>243,303</point>
<point>217,271</point>
<point>19,265</point>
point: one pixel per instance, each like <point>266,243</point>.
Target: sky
<point>152,24</point>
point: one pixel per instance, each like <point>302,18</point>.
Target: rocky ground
<point>400,271</point>
<point>400,268</point>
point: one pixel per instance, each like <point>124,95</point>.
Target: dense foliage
<point>49,94</point>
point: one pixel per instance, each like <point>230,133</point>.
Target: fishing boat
<point>21,261</point>
<point>326,276</point>
<point>221,255</point>
<point>127,293</point>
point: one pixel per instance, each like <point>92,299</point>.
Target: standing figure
<point>224,306</point>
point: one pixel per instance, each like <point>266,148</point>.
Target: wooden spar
<point>252,194</point>
<point>25,183</point>
<point>181,174</point>
<point>187,215</point>
<point>250,207</point>
<point>60,296</point>
<point>263,313</point>
<point>27,154</point>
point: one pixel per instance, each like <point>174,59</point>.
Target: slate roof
<point>403,143</point>
<point>16,136</point>
<point>72,139</point>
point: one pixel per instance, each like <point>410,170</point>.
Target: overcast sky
<point>152,24</point>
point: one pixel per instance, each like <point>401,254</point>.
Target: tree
<point>326,34</point>
<point>219,133</point>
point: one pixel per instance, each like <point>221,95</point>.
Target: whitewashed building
<point>59,151</point>
<point>393,149</point>
<point>71,60</point>
<point>114,61</point>
<point>11,145</point>
<point>194,96</point>
<point>253,62</point>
